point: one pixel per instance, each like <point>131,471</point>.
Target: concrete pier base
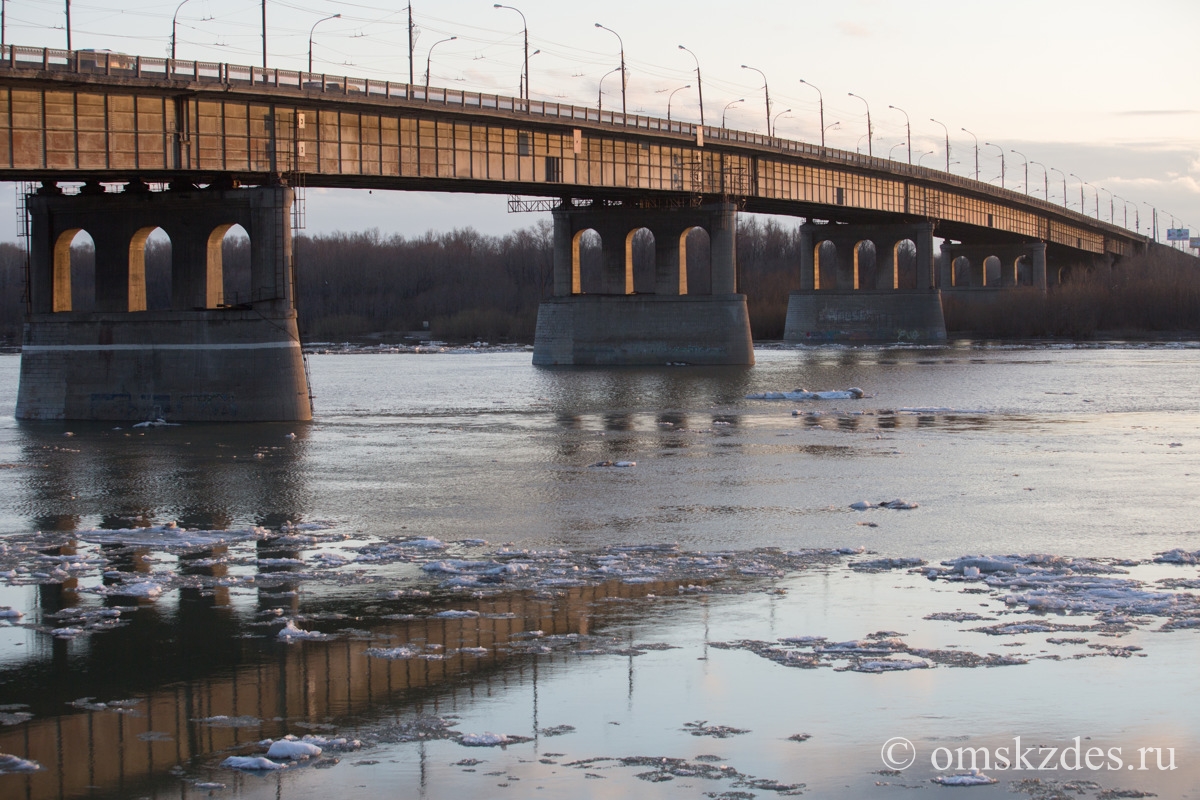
<point>225,365</point>
<point>867,316</point>
<point>602,330</point>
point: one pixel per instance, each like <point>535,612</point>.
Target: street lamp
<point>907,130</point>
<point>775,120</point>
<point>1125,208</point>
<point>1045,179</point>
<point>766,92</point>
<point>976,138</point>
<point>947,130</point>
<point>1082,207</point>
<point>175,23</point>
<point>429,61</point>
<point>897,144</point>
<point>870,132</point>
<point>821,107</point>
<point>1110,204</point>
<point>1064,177</point>
<point>921,157</point>
<point>699,87</point>
<point>525,26</point>
<point>1001,149</point>
<point>310,36</point>
<point>829,127</point>
<point>600,95</point>
<point>671,97</point>
<point>1153,220</point>
<point>1026,159</point>
<point>731,103</point>
<point>622,43</point>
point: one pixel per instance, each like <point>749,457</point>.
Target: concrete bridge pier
<point>209,356</point>
<point>671,323</point>
<point>865,283</point>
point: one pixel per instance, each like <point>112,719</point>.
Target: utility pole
<point>68,24</point>
<point>410,45</point>
<point>264,16</point>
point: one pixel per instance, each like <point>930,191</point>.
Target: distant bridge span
<point>83,115</point>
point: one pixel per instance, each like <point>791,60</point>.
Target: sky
<point>1099,89</point>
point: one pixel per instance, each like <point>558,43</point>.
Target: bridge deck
<point>78,115</point>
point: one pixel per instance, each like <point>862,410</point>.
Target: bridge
<point>250,135</point>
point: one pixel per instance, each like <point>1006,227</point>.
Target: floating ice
<point>252,763</point>
<point>13,764</point>
<point>155,423</point>
<point>291,633</point>
<point>853,393</point>
<point>294,750</point>
<point>483,739</point>
<point>8,612</point>
<point>896,505</point>
<point>616,464</point>
<point>171,537</point>
<point>394,653</point>
<point>971,778</point>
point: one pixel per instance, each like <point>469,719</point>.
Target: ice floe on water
<point>853,393</point>
<point>171,537</point>
<point>894,505</point>
<point>972,777</point>
<point>15,764</point>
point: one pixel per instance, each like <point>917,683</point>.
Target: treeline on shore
<point>466,285</point>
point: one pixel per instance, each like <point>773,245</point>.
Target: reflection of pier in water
<point>198,666</point>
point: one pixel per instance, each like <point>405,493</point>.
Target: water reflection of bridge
<point>198,665</point>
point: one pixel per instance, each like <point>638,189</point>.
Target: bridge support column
<point>664,323</point>
<point>884,295</point>
<point>209,357</point>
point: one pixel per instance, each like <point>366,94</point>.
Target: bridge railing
<point>105,62</point>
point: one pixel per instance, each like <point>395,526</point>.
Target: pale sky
<point>1103,89</point>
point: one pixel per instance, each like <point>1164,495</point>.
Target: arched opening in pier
<point>863,272</point>
<point>960,272</point>
<point>825,268</point>
<point>640,261</point>
<point>695,262</point>
<point>149,270</point>
<point>991,271</point>
<point>74,272</point>
<point>1023,270</point>
<point>587,262</point>
<point>904,265</point>
<point>227,281</point>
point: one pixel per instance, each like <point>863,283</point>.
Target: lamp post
<point>699,86</point>
<point>1045,179</point>
<point>1001,149</point>
<point>1111,205</point>
<point>429,61</point>
<point>1026,159</point>
<point>1153,220</point>
<point>600,94</point>
<point>829,127</point>
<point>174,24</point>
<point>907,130</point>
<point>1064,177</point>
<point>310,37</point>
<point>671,97</point>
<point>947,130</point>
<point>870,132</point>
<point>821,108</point>
<point>976,138</point>
<point>775,119</point>
<point>766,92</point>
<point>1082,207</point>
<point>731,103</point>
<point>621,42</point>
<point>921,157</point>
<point>1125,208</point>
<point>525,26</point>
<point>897,144</point>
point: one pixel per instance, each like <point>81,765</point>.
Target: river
<point>625,581</point>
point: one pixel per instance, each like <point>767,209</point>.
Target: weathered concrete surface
<point>601,330</point>
<point>226,365</point>
<point>880,316</point>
